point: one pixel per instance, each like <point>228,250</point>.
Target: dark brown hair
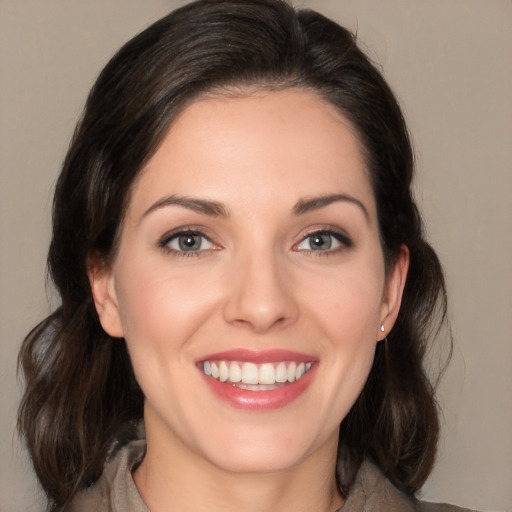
<point>81,395</point>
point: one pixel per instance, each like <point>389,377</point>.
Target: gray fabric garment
<point>115,491</point>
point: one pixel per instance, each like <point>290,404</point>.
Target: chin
<point>257,450</point>
<point>255,459</point>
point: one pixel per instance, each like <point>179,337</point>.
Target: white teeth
<point>235,372</point>
<point>223,371</point>
<point>257,387</point>
<point>250,373</point>
<point>267,374</point>
<point>253,376</point>
<point>301,369</point>
<point>281,373</point>
<point>292,368</point>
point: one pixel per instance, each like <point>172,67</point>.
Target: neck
<point>179,479</point>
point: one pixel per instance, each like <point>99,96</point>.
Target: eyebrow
<point>216,209</point>
<point>307,205</point>
<point>207,207</point>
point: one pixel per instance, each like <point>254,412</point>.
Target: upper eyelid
<point>165,241</point>
<point>306,233</point>
<point>343,238</point>
<point>324,229</point>
<point>183,230</point>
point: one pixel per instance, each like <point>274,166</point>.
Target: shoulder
<point>424,506</point>
<point>115,490</point>
<point>372,491</point>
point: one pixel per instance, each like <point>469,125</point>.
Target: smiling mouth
<point>255,377</point>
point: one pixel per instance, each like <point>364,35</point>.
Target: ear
<point>393,293</point>
<point>101,279</point>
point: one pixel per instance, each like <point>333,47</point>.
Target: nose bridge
<point>262,292</point>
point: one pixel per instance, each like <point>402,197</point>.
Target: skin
<point>255,283</point>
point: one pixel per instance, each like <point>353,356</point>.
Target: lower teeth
<point>256,387</point>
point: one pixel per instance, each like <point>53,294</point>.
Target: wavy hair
<point>81,395</point>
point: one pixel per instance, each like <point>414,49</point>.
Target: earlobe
<point>393,293</point>
<point>103,291</point>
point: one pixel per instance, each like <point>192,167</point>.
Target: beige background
<point>450,63</point>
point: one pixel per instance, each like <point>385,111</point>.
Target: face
<point>249,283</point>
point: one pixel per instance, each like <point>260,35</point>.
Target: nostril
<point>259,324</point>
<point>260,297</point>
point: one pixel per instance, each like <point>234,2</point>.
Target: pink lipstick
<point>256,379</point>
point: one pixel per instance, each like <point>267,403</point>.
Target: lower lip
<point>260,400</point>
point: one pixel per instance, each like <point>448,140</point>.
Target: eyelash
<point>342,238</point>
<point>164,244</point>
<point>175,235</point>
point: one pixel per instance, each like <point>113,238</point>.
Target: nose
<point>261,294</point>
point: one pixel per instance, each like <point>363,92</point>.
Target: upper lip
<point>258,356</point>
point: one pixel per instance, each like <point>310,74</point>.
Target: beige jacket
<point>115,491</point>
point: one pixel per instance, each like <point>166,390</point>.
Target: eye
<point>187,242</point>
<point>323,241</point>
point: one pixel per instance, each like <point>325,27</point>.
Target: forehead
<point>263,145</point>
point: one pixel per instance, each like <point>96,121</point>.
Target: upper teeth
<point>251,373</point>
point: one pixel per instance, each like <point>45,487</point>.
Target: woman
<point>243,275</point>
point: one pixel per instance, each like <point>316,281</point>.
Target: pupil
<point>321,242</point>
<point>189,242</point>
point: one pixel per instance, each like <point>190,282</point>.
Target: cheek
<point>161,308</point>
<point>347,303</point>
<point>162,312</point>
<point>346,310</point>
